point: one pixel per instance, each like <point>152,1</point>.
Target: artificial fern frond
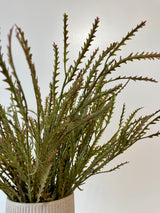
<point>126,38</point>
<point>152,122</point>
<point>55,74</point>
<point>11,87</point>
<point>10,59</point>
<point>132,57</point>
<point>24,44</point>
<point>84,49</point>
<point>151,135</point>
<point>134,78</point>
<point>111,170</point>
<point>40,114</point>
<point>66,44</point>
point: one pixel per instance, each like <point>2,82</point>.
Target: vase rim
<point>71,196</point>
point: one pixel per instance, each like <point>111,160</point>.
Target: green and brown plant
<point>45,155</point>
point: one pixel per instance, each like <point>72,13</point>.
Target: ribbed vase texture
<point>64,205</point>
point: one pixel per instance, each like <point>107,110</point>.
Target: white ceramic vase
<point>64,205</point>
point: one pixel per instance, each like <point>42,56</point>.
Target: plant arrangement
<point>45,155</point>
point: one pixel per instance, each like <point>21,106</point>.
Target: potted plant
<point>45,155</point>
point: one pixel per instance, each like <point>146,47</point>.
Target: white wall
<point>135,188</point>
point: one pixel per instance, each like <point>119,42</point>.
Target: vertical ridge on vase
<point>64,205</point>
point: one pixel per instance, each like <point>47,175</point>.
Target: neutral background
<point>135,188</point>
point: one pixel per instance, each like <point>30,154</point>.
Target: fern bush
<point>45,155</point>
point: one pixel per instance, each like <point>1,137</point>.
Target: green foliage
<point>49,155</point>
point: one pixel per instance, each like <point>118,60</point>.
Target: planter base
<point>64,205</point>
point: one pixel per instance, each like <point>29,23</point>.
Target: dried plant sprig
<point>48,155</point>
<point>66,44</point>
<point>126,38</point>
<point>84,49</point>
